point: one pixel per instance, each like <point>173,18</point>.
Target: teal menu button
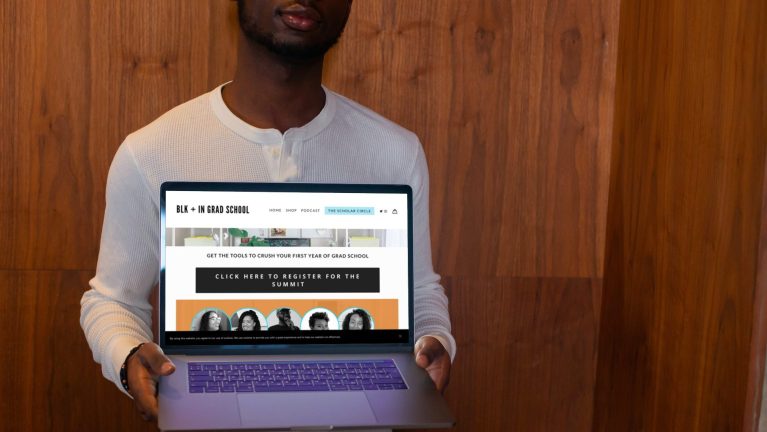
<point>349,211</point>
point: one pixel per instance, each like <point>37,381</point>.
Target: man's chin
<point>298,51</point>
<point>293,50</point>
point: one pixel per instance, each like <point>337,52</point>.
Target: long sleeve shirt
<point>202,140</point>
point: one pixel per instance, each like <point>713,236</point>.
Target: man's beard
<point>291,51</point>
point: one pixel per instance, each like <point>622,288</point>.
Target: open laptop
<point>289,306</point>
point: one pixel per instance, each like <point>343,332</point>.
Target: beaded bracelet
<point>124,367</point>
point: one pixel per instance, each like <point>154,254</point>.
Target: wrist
<point>124,367</point>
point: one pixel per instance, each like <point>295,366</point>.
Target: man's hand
<point>432,356</point>
<point>144,369</point>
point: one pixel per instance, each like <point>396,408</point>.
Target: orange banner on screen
<point>382,313</point>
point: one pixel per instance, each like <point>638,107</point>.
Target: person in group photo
<point>319,321</point>
<point>285,321</point>
<point>357,319</point>
<point>210,321</point>
<point>249,321</point>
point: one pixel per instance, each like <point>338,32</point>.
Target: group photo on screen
<point>282,319</point>
<point>284,237</point>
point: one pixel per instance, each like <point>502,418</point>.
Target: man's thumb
<point>155,360</point>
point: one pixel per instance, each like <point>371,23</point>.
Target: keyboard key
<point>198,378</point>
<point>294,376</point>
<point>387,381</point>
<point>311,388</point>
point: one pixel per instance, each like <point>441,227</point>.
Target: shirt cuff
<point>118,350</point>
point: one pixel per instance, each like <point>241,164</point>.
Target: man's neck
<point>271,92</point>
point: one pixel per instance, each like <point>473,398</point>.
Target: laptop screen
<point>275,265</point>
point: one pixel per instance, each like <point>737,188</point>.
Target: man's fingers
<point>427,350</point>
<point>152,357</point>
<point>432,356</point>
<point>422,359</point>
<point>143,388</point>
<point>143,368</point>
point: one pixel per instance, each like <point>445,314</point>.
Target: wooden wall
<point>685,220</point>
<point>513,101</point>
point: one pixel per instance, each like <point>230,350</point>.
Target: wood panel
<point>512,100</point>
<point>755,411</point>
<point>526,368</point>
<point>684,216</point>
<point>82,76</point>
<point>52,381</point>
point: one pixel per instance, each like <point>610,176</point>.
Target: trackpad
<point>305,409</point>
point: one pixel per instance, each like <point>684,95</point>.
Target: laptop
<point>289,306</point>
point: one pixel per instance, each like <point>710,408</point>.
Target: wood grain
<point>50,373</point>
<point>684,216</point>
<point>755,410</point>
<point>530,367</point>
<point>513,103</point>
<point>83,76</point>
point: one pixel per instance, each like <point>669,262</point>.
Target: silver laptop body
<point>251,246</point>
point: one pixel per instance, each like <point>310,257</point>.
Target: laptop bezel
<point>297,348</point>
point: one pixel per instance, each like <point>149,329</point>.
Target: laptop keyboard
<point>249,377</point>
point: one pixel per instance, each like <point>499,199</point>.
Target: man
<point>273,122</point>
<point>284,322</point>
